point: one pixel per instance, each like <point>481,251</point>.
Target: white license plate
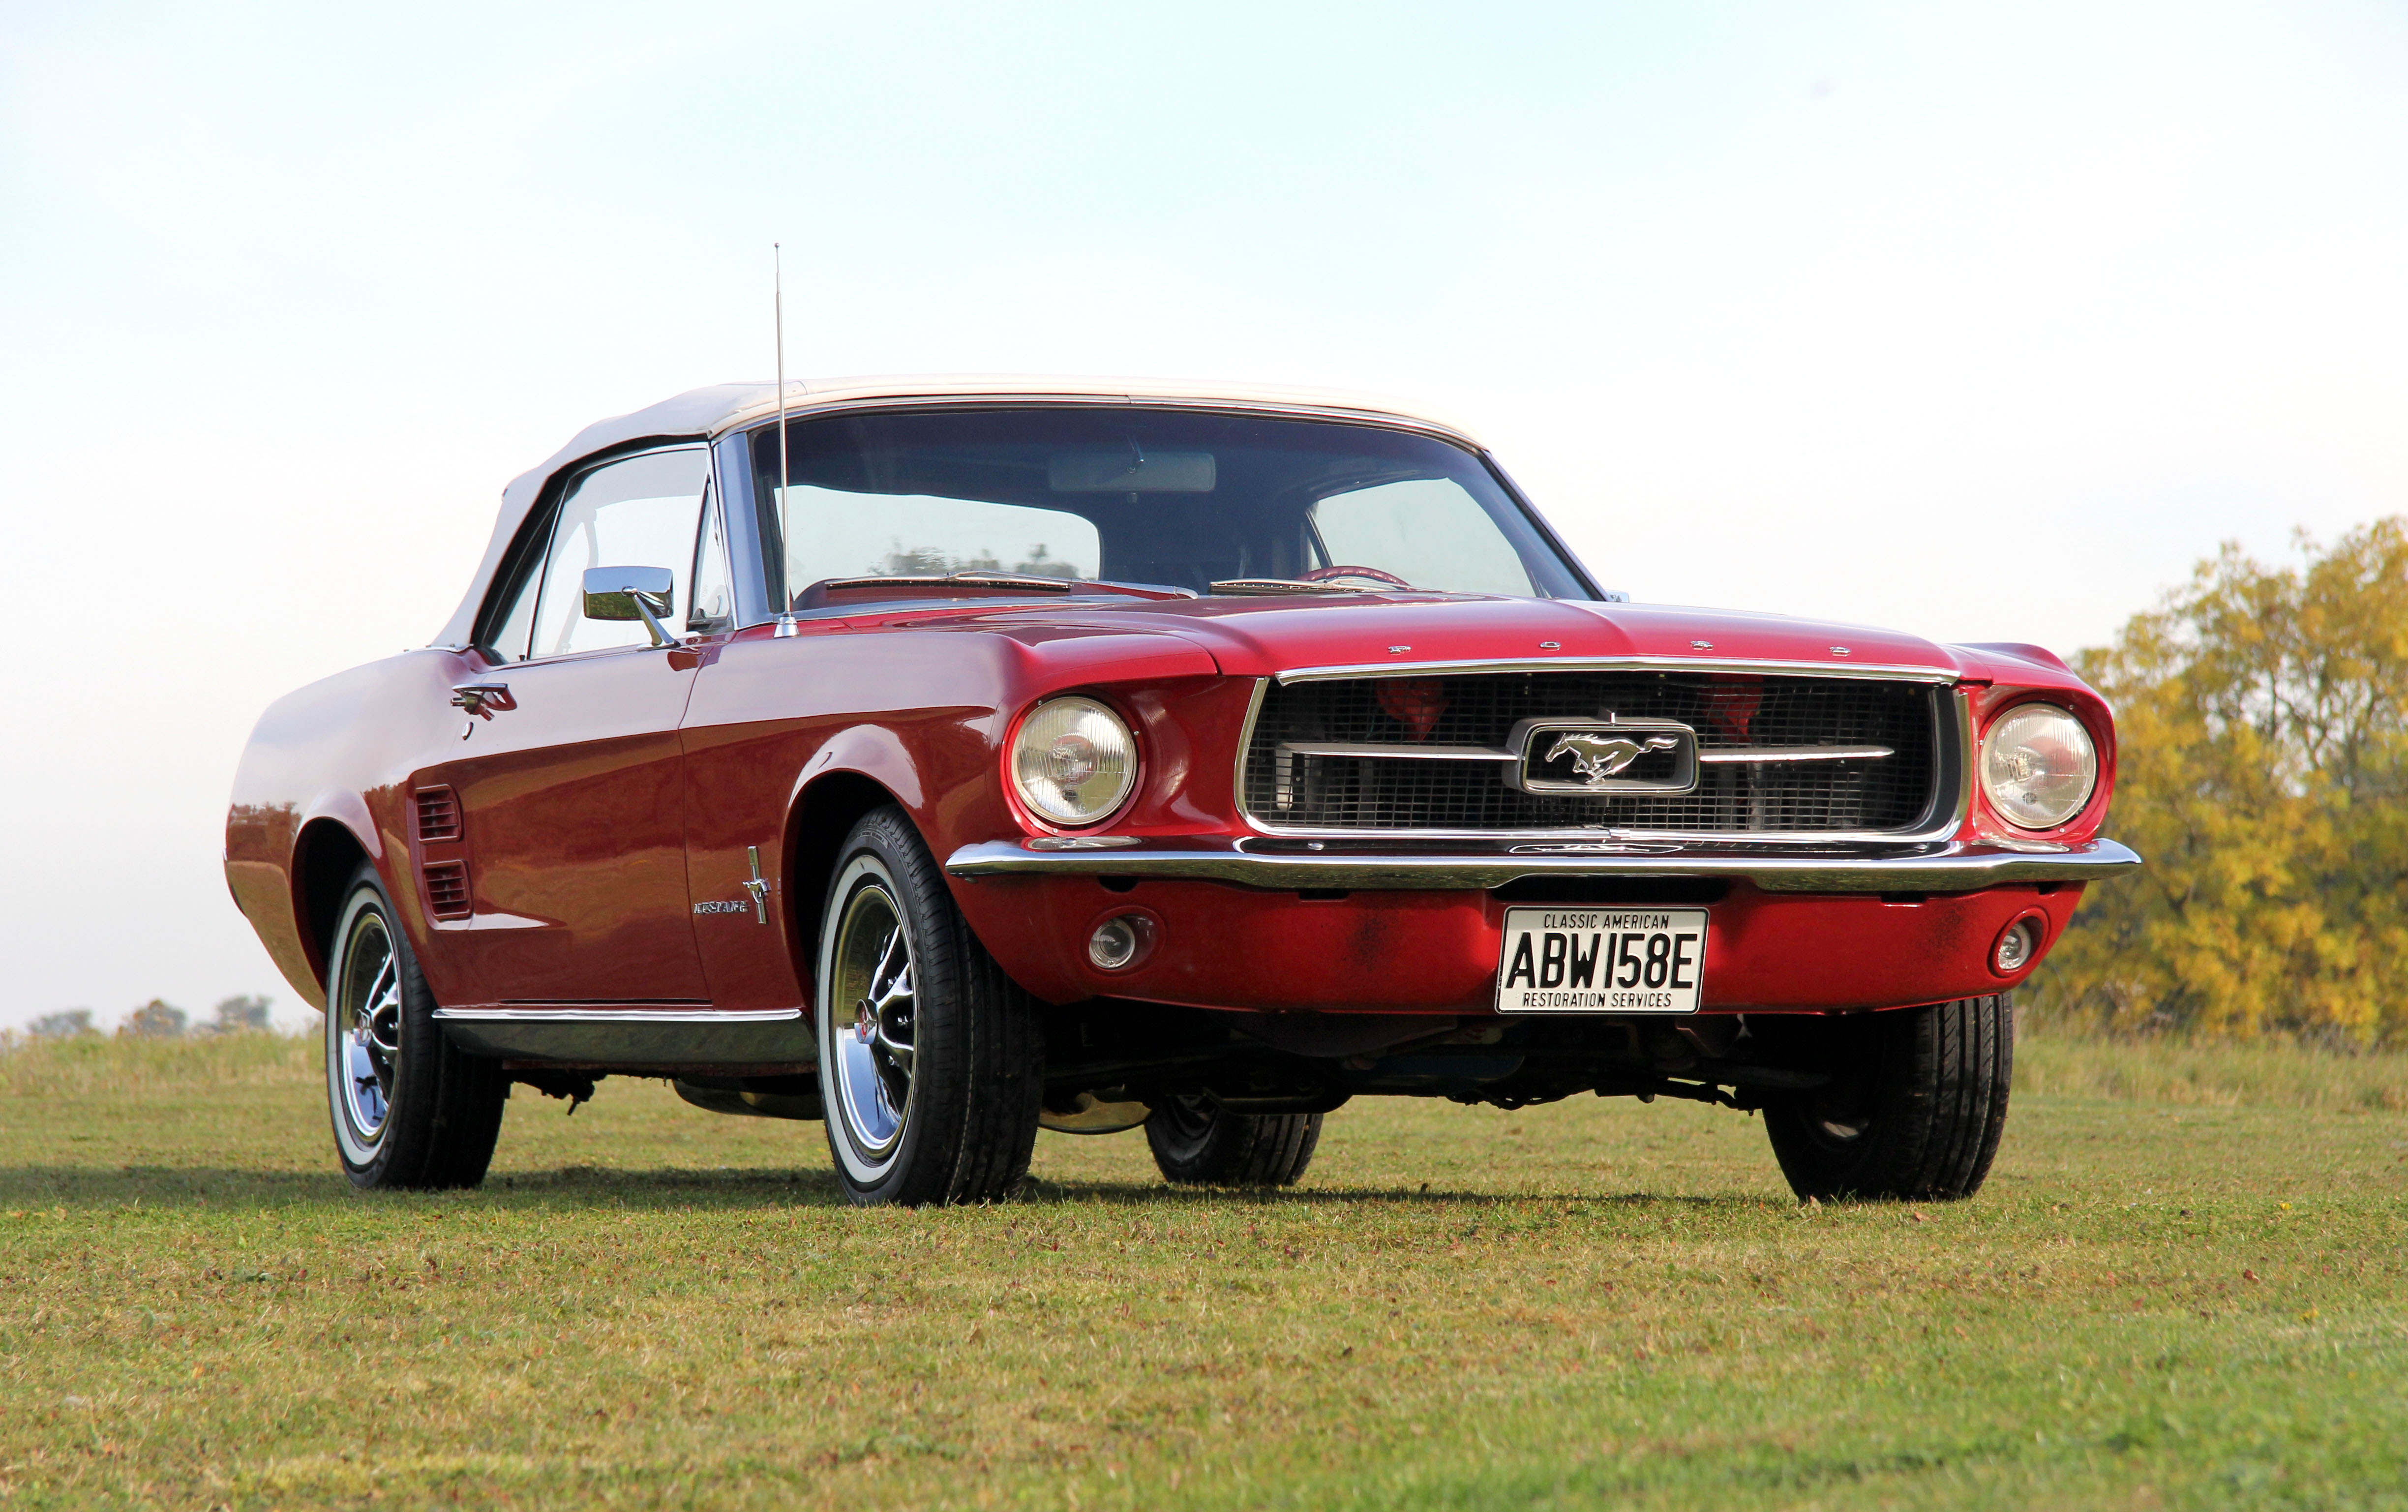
<point>1601,961</point>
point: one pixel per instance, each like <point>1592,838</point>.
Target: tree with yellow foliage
<point>2262,715</point>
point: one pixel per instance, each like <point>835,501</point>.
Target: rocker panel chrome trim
<point>630,1036</point>
<point>618,1016</point>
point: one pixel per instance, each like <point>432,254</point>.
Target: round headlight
<point>1074,761</point>
<point>2039,765</point>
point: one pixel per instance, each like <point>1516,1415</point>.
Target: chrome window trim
<point>1952,800</point>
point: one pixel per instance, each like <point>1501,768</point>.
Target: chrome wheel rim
<point>367,1026</point>
<point>872,1030</point>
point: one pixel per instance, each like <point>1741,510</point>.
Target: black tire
<point>1918,1100</point>
<point>1197,1143</point>
<point>410,1113</point>
<point>932,1071</point>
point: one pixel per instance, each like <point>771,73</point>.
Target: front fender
<point>875,752</point>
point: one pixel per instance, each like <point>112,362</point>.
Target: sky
<point>1979,321</point>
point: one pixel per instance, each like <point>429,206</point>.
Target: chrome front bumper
<point>1286,864</point>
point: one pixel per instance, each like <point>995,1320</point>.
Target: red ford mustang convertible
<point>952,759</point>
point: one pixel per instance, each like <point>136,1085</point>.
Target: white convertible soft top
<point>705,413</point>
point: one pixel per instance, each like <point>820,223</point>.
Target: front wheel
<point>931,1061</point>
<point>1915,1106</point>
<point>410,1111</point>
<point>1197,1142</point>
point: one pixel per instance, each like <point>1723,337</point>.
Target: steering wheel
<point>1332,574</point>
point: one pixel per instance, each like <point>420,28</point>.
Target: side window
<point>638,512</point>
<point>714,583</point>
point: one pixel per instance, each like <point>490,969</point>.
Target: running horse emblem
<point>1598,756</point>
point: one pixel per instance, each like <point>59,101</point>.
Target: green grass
<point>2194,1304</point>
<point>2273,1073</point>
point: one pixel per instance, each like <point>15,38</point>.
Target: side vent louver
<point>439,814</point>
<point>447,889</point>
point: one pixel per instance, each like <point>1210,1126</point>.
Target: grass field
<point>2194,1302</point>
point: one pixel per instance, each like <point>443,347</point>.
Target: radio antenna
<point>785,479</point>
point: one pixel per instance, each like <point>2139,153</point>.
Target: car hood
<point>1263,637</point>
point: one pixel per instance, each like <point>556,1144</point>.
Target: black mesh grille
<point>1287,788</point>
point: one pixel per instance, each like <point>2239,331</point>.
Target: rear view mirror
<point>1130,470</point>
<point>631,593</point>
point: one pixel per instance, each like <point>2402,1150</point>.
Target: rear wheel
<point>1197,1142</point>
<point>931,1060</point>
<point>410,1111</point>
<point>1914,1107</point>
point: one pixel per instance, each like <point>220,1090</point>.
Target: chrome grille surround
<point>1453,786</point>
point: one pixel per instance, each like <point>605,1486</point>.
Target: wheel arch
<point>823,812</point>
<point>325,854</point>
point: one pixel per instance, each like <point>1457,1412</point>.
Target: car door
<point>568,780</point>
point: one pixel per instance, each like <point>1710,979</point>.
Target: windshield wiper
<point>1271,586</point>
<point>937,579</point>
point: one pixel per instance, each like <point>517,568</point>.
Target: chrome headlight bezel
<point>1065,788</point>
<point>2028,786</point>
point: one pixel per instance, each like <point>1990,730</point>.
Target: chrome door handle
<point>483,699</point>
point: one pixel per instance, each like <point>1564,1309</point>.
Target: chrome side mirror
<point>632,593</point>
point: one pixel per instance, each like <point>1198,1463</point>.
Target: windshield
<point>1206,502</point>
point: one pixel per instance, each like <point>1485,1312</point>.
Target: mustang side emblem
<point>1599,755</point>
<point>756,893</point>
